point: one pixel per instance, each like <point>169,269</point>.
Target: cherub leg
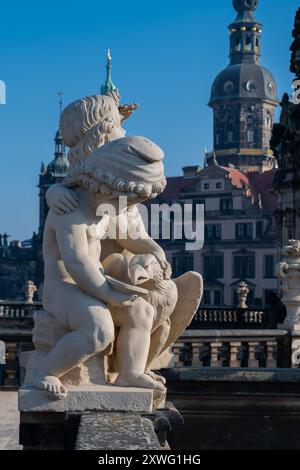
<point>92,330</point>
<point>158,339</point>
<point>133,345</point>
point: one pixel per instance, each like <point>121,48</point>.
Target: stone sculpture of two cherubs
<point>109,294</point>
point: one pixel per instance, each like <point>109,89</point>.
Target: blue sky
<point>166,54</point>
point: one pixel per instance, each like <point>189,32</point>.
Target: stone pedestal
<point>55,424</point>
<point>87,398</point>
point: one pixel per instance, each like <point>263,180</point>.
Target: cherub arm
<point>143,244</point>
<point>73,246</point>
<point>61,199</point>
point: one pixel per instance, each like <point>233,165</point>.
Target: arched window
<point>250,121</point>
<point>268,119</point>
<point>238,45</point>
<point>249,44</point>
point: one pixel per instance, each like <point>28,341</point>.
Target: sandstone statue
<point>103,292</point>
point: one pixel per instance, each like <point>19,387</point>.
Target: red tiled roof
<point>175,185</point>
<point>258,184</point>
<point>262,183</point>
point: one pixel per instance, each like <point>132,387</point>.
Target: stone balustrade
<point>233,348</point>
<point>18,309</point>
<point>228,317</point>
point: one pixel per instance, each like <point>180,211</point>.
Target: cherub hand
<point>118,299</point>
<point>165,265</point>
<point>62,200</point>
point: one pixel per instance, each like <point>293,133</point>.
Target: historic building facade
<point>235,184</point>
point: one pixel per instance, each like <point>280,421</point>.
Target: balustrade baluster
<point>176,350</point>
<point>215,348</point>
<point>195,354</point>
<point>234,351</point>
<point>252,360</point>
<point>272,353</point>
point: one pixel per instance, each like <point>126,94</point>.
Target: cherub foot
<point>139,379</point>
<point>50,384</point>
<point>157,377</point>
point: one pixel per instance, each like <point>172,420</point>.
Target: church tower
<point>244,98</point>
<point>53,173</point>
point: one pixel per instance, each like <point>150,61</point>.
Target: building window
<point>244,266</point>
<point>181,263</point>
<point>206,186</point>
<point>206,297</point>
<point>238,45</point>
<point>230,136</point>
<point>268,119</point>
<point>226,204</point>
<point>213,232</point>
<point>213,266</point>
<point>249,44</point>
<point>217,298</point>
<point>269,295</point>
<point>219,185</point>
<point>244,231</point>
<point>250,120</point>
<point>269,266</point>
<point>259,229</point>
<point>250,136</point>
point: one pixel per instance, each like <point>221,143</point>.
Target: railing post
<point>272,349</point>
<point>176,350</point>
<point>195,353</point>
<point>234,350</point>
<point>215,348</point>
<point>252,360</point>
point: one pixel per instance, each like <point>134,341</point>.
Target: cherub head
<point>144,268</point>
<point>89,123</point>
<point>130,166</point>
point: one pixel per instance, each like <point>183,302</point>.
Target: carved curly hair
<point>86,125</point>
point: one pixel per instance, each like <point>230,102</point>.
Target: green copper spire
<point>108,85</point>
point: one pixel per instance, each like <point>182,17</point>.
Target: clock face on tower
<point>251,86</point>
<point>228,86</point>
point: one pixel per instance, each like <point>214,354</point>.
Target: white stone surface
<point>9,421</point>
<point>92,301</point>
<point>87,398</point>
<point>289,274</point>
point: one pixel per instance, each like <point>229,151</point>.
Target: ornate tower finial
<point>59,144</point>
<point>60,94</point>
<point>245,5</point>
<point>108,85</point>
<point>245,33</point>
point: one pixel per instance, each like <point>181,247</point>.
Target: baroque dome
<point>244,80</point>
